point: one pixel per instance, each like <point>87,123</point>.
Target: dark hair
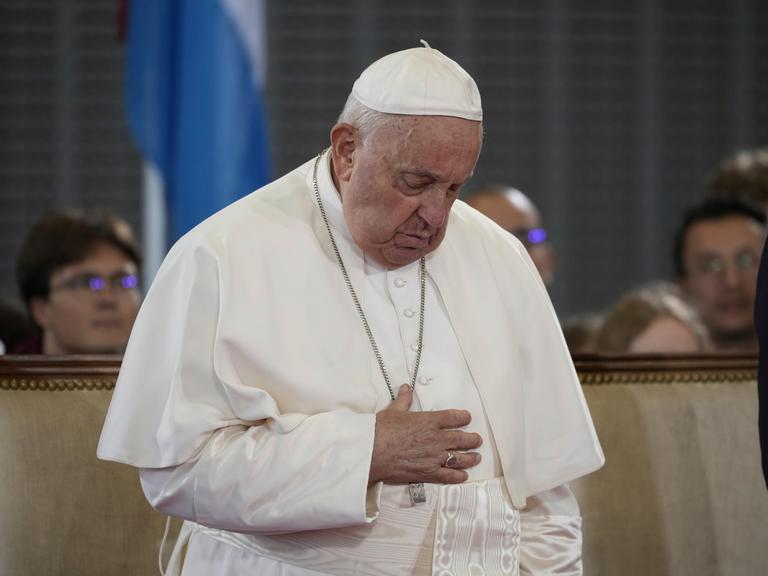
<point>15,325</point>
<point>713,209</point>
<point>62,238</point>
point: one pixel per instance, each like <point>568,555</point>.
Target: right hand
<point>413,446</point>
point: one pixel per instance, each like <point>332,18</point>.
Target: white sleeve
<point>550,528</point>
<point>227,454</point>
<point>252,479</point>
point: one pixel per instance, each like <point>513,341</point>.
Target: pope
<point>351,372</point>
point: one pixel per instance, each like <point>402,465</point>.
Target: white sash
<point>477,531</point>
<point>472,530</point>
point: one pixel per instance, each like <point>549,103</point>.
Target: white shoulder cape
<point>248,322</point>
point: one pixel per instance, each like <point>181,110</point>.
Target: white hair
<point>366,120</point>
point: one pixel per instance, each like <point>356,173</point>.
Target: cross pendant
<point>417,493</point>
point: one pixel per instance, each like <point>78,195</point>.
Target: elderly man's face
<point>398,187</point>
<point>720,259</point>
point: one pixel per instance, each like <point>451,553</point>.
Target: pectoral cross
<point>417,493</point>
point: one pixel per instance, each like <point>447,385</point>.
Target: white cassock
<point>248,394</point>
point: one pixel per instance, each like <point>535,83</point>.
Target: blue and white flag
<point>194,79</point>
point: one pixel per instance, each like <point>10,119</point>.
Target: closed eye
<point>415,182</point>
<point>420,180</point>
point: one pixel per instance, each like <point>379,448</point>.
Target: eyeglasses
<point>530,236</point>
<point>714,266</point>
<point>93,283</point>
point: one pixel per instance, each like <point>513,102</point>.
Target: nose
<point>434,207</point>
<point>732,275</point>
<point>106,297</point>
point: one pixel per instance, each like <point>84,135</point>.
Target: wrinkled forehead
<point>435,126</point>
<point>430,143</point>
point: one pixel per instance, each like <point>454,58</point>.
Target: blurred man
<point>745,174</point>
<point>78,277</point>
<point>717,252</point>
<point>517,214</point>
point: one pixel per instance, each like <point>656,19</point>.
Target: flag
<point>195,74</point>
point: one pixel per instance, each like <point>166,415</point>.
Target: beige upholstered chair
<point>63,511</point>
<point>682,490</point>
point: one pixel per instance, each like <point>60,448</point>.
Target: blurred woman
<point>652,319</point>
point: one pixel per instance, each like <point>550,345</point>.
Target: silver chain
<point>372,340</point>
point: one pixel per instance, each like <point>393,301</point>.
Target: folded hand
<point>414,446</point>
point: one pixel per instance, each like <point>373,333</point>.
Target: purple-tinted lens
<point>129,281</point>
<point>537,236</point>
<point>95,283</point>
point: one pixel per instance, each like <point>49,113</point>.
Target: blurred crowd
<point>708,306</point>
<point>78,276</point>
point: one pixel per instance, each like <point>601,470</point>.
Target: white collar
<point>331,197</point>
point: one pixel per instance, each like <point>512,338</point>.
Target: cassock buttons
<point>408,313</point>
<point>415,347</point>
<point>399,282</point>
<point>423,380</point>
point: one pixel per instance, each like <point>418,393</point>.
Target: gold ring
<point>450,460</point>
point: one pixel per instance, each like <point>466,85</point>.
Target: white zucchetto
<point>419,82</point>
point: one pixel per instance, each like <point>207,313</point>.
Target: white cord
<point>162,545</point>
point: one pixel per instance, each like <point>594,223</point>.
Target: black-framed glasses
<point>530,236</point>
<point>87,282</point>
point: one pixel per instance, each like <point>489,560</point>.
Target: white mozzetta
<point>250,382</point>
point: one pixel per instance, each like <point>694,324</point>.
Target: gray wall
<point>611,115</point>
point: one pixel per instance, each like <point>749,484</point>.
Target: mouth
<point>106,324</point>
<point>413,241</point>
<point>734,306</point>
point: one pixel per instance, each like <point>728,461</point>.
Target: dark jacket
<point>761,323</point>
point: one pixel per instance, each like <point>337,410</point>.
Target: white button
<point>423,380</point>
<point>408,313</point>
<point>399,282</point>
<point>415,347</point>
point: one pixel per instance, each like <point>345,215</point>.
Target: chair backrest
<point>62,510</point>
<point>682,490</point>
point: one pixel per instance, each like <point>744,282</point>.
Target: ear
<point>344,142</point>
<point>39,309</point>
